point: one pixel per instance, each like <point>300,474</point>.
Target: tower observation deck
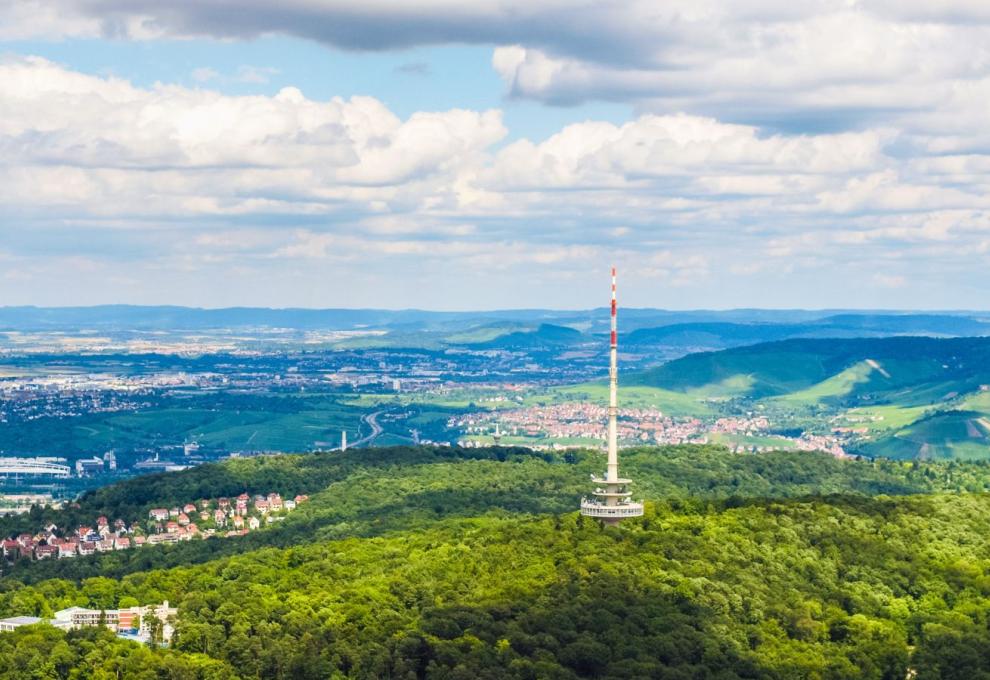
<point>610,501</point>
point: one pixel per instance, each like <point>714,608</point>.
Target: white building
<point>7,625</point>
<point>122,621</point>
<point>89,466</point>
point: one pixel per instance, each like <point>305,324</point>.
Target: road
<point>376,429</point>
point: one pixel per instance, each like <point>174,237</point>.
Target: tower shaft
<point>611,497</point>
<point>612,471</point>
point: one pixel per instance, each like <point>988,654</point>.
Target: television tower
<point>611,496</point>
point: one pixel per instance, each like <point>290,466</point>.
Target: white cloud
<point>204,74</point>
<point>255,74</point>
<point>169,178</point>
<point>839,64</point>
<point>657,147</point>
<point>102,145</point>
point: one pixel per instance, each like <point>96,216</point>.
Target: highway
<point>376,429</point>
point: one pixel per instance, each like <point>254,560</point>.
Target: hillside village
<point>205,518</point>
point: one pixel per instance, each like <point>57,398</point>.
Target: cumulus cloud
<point>653,147</point>
<point>821,64</point>
<point>103,145</point>
<point>167,178</point>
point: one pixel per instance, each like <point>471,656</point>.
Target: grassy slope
<point>881,418</point>
<point>485,333</point>
<point>836,387</point>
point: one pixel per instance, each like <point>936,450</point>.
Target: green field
<point>482,334</point>
<point>978,401</point>
<point>880,418</point>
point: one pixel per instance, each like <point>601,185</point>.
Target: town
<point>203,519</point>
<point>576,424</point>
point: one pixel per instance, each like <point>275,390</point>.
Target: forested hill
<point>909,367</point>
<point>451,563</point>
<point>725,334</point>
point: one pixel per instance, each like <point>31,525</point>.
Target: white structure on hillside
<point>611,502</point>
<point>14,622</point>
<point>136,623</point>
<point>16,468</point>
<point>123,621</point>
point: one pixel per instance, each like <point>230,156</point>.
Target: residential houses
<point>163,526</point>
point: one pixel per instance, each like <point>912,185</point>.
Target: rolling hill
<point>543,336</point>
<point>678,331</point>
<point>949,434</point>
<point>920,397</point>
<point>722,335</point>
<point>906,369</point>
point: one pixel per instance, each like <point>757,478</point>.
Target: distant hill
<point>920,397</point>
<point>912,367</point>
<point>908,324</point>
<point>545,335</point>
<point>712,334</point>
<point>722,335</point>
<point>747,323</point>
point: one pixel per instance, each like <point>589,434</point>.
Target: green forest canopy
<point>450,563</point>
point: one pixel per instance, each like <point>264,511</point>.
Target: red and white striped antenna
<point>611,501</point>
<point>614,324</point>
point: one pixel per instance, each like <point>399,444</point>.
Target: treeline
<point>708,471</point>
<point>849,587</point>
<point>97,654</point>
<point>470,563</point>
<point>376,491</point>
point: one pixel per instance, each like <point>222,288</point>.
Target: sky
<point>485,154</point>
